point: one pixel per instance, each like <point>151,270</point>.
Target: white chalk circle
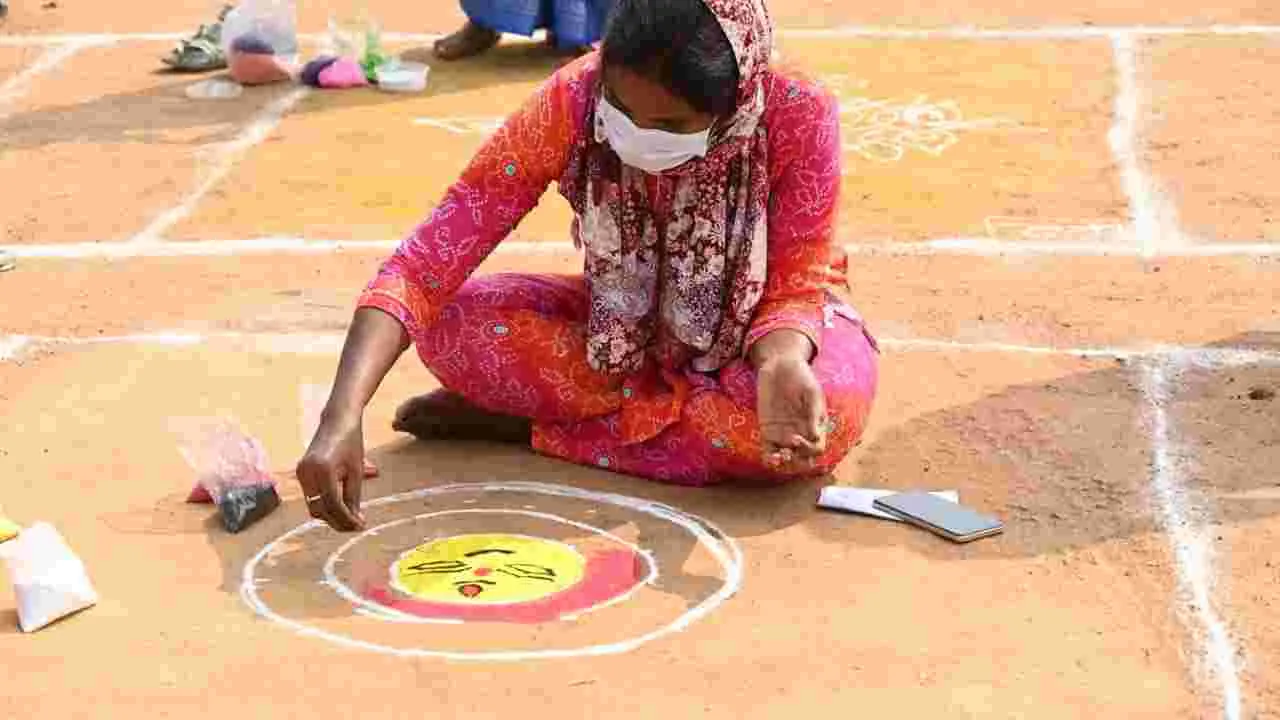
<point>718,546</point>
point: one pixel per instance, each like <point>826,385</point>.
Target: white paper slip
<point>861,500</point>
<point>49,581</point>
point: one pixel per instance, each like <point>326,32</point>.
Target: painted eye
<point>440,567</point>
<point>527,571</point>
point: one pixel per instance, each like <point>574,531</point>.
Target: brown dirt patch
<point>354,164</point>
<point>1097,302</point>
<point>969,130</point>
<point>1061,301</point>
<point>100,160</point>
<point>1081,651</point>
<point>365,186</point>
<point>1215,111</point>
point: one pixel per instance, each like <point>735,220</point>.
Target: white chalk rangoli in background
<point>883,129</point>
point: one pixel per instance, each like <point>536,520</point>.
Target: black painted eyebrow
<point>474,553</point>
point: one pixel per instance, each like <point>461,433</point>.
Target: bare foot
<point>471,40</point>
<point>444,415</point>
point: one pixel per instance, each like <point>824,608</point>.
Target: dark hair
<point>678,43</point>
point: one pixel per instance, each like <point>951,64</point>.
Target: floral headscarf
<point>704,275</point>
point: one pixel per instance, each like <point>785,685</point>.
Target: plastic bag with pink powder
<point>231,469</point>
<point>260,41</point>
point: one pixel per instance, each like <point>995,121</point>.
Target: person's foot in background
<point>471,40</point>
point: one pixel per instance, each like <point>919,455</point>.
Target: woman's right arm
<point>502,183</point>
<point>331,472</point>
<point>374,342</point>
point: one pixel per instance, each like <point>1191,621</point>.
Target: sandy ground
<point>1135,579</point>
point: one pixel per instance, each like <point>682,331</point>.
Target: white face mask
<point>652,151</point>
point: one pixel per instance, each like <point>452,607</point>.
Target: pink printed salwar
<point>519,344</point>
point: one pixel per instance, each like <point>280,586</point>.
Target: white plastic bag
<point>268,27</point>
<point>49,581</point>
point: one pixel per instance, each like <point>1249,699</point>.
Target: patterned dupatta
<point>703,274</point>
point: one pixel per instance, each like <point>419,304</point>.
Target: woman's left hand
<point>792,411</point>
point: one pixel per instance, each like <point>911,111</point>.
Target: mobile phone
<point>947,519</point>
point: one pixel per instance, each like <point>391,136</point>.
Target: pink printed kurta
<point>516,344</point>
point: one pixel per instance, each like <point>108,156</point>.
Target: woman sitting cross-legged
<point>700,344</point>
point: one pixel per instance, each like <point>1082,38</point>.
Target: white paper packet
<point>862,500</point>
<point>49,580</point>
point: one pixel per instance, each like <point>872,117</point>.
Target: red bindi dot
<point>481,572</point>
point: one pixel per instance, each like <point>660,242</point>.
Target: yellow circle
<point>492,569</point>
